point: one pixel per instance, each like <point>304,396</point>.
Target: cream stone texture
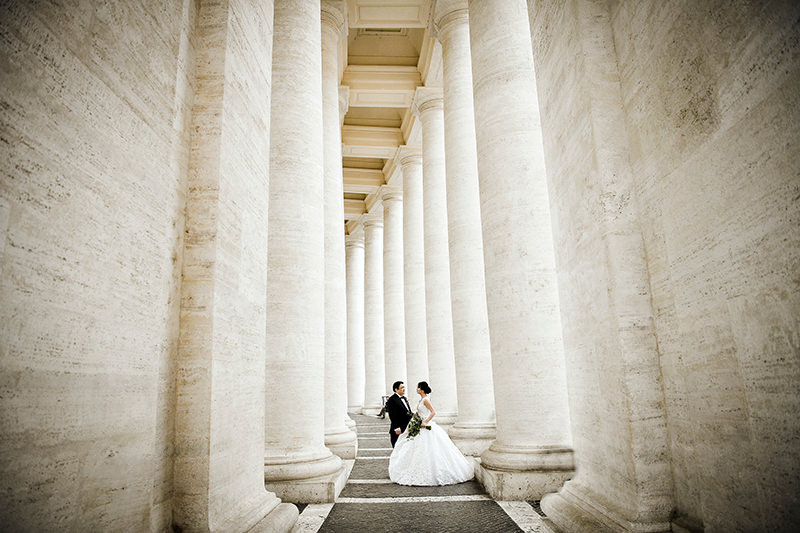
<point>224,224</point>
<point>96,107</point>
<point>338,437</point>
<point>220,370</point>
<point>374,368</point>
<point>297,465</point>
<point>354,247</point>
<point>438,312</point>
<point>474,428</point>
<point>532,454</point>
<point>410,161</point>
<point>691,118</point>
<point>394,327</point>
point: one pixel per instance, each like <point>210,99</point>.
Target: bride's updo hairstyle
<point>424,387</point>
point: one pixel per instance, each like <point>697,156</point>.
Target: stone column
<point>532,454</point>
<point>344,105</point>
<point>374,370</point>
<point>219,421</point>
<point>338,437</point>
<point>354,247</point>
<point>474,428</point>
<point>441,359</point>
<point>394,327</point>
<point>410,161</point>
<point>634,490</point>
<point>295,452</point>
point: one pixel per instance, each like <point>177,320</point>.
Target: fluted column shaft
<point>294,445</point>
<point>338,437</point>
<point>475,426</point>
<point>374,370</point>
<point>393,307</point>
<point>533,436</point>
<point>354,247</point>
<point>441,361</point>
<point>410,161</point>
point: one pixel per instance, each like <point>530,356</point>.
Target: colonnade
<point>449,278</point>
<point>469,287</point>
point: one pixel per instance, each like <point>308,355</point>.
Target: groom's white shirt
<point>405,402</point>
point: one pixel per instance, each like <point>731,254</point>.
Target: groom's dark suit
<point>399,414</point>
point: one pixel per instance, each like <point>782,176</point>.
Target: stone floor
<point>371,503</point>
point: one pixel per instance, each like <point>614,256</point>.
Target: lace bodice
<point>423,410</point>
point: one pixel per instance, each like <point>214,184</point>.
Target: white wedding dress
<point>430,458</point>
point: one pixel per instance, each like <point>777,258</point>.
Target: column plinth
<point>393,306</point>
<point>428,105</point>
<point>374,370</point>
<point>297,465</point>
<point>532,452</point>
<point>474,428</point>
<point>410,161</point>
<point>338,437</point>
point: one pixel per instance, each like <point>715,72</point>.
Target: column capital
<point>354,241</point>
<point>390,194</point>
<point>408,155</point>
<point>428,98</point>
<point>344,100</point>
<point>373,221</point>
<point>447,14</point>
<point>333,14</point>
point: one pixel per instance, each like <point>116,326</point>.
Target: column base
<point>472,439</point>
<point>322,489</point>
<point>350,424</point>
<point>446,420</point>
<point>343,443</point>
<point>280,520</point>
<point>528,485</point>
<point>569,511</point>
<point>370,410</point>
<point>510,472</point>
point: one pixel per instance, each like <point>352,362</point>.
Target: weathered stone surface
<point>220,376</point>
<point>709,107</point>
<point>95,112</point>
<point>714,133</point>
<point>294,448</point>
<point>533,433</point>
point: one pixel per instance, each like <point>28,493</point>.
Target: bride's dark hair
<point>424,386</point>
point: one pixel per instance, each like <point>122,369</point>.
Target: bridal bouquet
<point>415,425</point>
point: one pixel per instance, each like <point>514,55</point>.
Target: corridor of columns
<point>227,227</point>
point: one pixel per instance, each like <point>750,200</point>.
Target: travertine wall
<point>712,102</point>
<point>95,98</point>
<point>709,97</point>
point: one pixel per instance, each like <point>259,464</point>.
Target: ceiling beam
<point>380,85</point>
<point>353,209</point>
<point>388,13</point>
<point>361,180</point>
<point>370,141</point>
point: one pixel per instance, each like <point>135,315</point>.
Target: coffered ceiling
<point>389,54</point>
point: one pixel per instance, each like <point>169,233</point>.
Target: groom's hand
<point>397,431</point>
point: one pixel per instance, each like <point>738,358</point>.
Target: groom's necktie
<point>405,402</point>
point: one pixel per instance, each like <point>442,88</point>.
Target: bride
<point>429,458</point>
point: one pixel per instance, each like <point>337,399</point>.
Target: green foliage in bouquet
<point>415,425</point>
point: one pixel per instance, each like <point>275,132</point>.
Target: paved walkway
<point>371,503</point>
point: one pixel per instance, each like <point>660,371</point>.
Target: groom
<point>399,411</point>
